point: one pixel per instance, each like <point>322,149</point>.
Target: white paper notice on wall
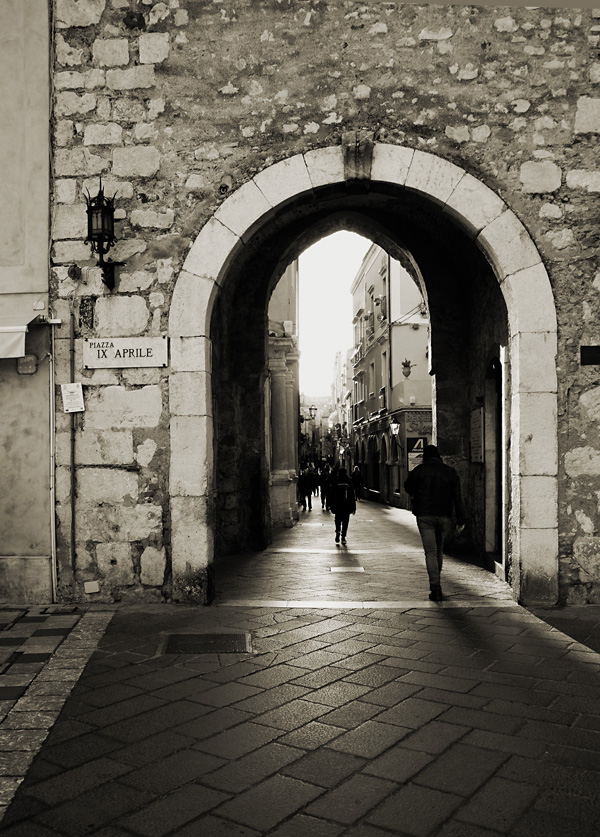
<point>121,352</point>
<point>72,396</point>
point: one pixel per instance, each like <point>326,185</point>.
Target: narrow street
<point>352,706</point>
<point>383,562</point>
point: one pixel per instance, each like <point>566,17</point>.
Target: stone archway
<point>524,284</point>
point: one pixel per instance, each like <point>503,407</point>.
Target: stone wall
<point>178,103</point>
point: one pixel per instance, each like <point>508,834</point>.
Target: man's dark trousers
<point>434,530</point>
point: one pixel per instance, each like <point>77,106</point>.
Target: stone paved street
<point>348,716</point>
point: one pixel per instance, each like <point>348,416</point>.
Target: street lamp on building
<point>313,411</point>
<point>101,232</point>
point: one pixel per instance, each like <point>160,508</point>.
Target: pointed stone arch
<point>524,283</point>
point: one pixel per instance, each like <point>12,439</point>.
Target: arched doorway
<point>453,226</point>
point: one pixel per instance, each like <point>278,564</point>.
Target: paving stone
<point>324,767</point>
<point>321,677</point>
<point>412,712</point>
<point>234,743</point>
<point>480,719</point>
<point>453,698</point>
<point>461,769</point>
<point>542,824</point>
<point>179,713</point>
<point>239,775</point>
<point>391,693</point>
<point>312,735</point>
<point>113,713</point>
<point>227,694</point>
<point>270,802</point>
<point>78,750</point>
<point>369,739</point>
<point>271,698</point>
<point>352,799</point>
<point>72,783</point>
<point>398,764</point>
<point>435,737</point>
<point>515,744</point>
<point>173,771</point>
<point>351,715</point>
<point>153,748</point>
<point>302,826</point>
<point>293,715</point>
<point>212,723</point>
<point>274,676</point>
<point>92,810</point>
<point>498,804</point>
<point>165,815</point>
<point>374,676</point>
<point>419,810</point>
<point>213,826</point>
<point>338,694</point>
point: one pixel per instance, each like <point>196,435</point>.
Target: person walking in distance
<point>435,491</point>
<point>357,482</point>
<point>305,489</point>
<point>342,502</point>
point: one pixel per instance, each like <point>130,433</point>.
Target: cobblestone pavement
<point>470,718</point>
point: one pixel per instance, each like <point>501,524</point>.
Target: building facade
<point>392,387</point>
<point>233,140</point>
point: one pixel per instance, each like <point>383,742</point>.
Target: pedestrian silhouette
<point>435,491</point>
<point>342,502</point>
<point>357,482</point>
<point>305,489</point>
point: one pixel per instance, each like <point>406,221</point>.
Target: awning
<point>16,312</point>
<point>12,341</point>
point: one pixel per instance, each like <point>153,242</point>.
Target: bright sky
<point>327,270</point>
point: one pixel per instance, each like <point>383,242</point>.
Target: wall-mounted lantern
<point>313,411</point>
<point>101,232</point>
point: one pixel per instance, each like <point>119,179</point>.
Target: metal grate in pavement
<point>228,643</point>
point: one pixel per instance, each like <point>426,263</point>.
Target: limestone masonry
<point>178,105</point>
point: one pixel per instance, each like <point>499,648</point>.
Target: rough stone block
<point>533,361</point>
<point>192,305</point>
<point>70,222</point>
<point>530,300</point>
<point>110,185</point>
<point>325,166</point>
<point>507,245</point>
<point>150,219</point>
<point>191,354</point>
<point>191,455</point>
<point>69,162</point>
<point>188,394</point>
<point>391,163</point>
<point>109,134</point>
<point>243,209</point>
<point>132,78</point>
<point>104,447</point>
<point>586,554</point>
<point>120,316</point>
<point>538,501</point>
<point>76,13</point>
<point>587,116</point>
<point>284,180</point>
<point>533,420</point>
<point>66,190</point>
<point>153,562</point>
<point>433,177</point>
<point>106,485</point>
<point>473,205</point>
<point>581,179</point>
<point>120,524</point>
<point>211,251</point>
<point>582,462</point>
<point>542,176</point>
<point>114,562</point>
<point>136,161</point>
<point>114,407</point>
<point>70,252</point>
<point>72,103</point>
<point>154,47</point>
<point>110,52</point>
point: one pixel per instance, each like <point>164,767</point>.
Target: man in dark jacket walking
<point>342,502</point>
<point>435,491</point>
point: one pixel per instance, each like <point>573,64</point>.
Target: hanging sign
<point>120,352</point>
<point>72,396</point>
<point>415,445</point>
